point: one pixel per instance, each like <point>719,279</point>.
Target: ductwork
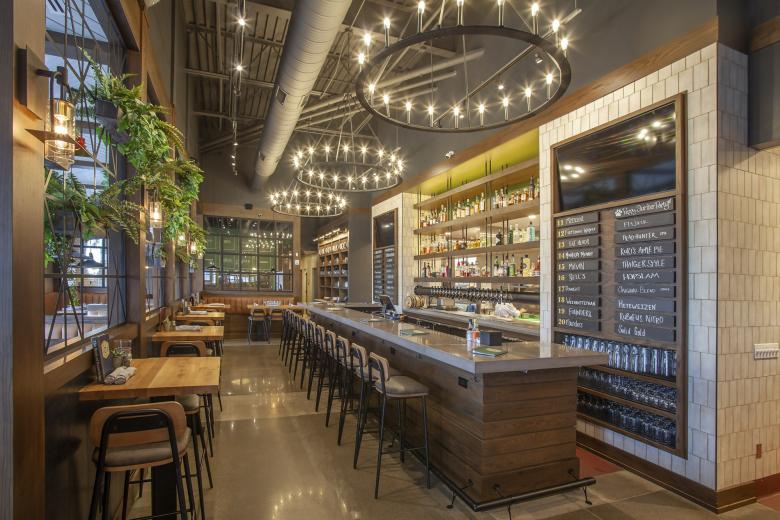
<point>313,28</point>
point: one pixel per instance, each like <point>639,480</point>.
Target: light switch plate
<point>765,351</point>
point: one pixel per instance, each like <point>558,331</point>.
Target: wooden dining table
<point>162,379</point>
<point>210,315</point>
<point>206,333</point>
<point>210,307</point>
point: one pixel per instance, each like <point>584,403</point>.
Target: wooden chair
<point>139,436</point>
<point>184,348</point>
<point>258,316</point>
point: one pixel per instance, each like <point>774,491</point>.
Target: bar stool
<point>286,329</point>
<point>294,351</point>
<point>139,436</point>
<point>327,367</point>
<point>359,367</point>
<point>339,347</point>
<point>315,358</point>
<point>258,316</point>
<point>400,388</point>
<point>192,407</point>
<point>307,343</point>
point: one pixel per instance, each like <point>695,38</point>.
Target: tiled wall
<point>748,286</point>
<point>407,243</point>
<point>697,74</point>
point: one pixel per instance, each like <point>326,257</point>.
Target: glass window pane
<point>211,279</point>
<point>248,282</point>
<point>230,244</point>
<point>230,263</point>
<point>248,263</point>
<point>249,245</point>
<point>266,264</point>
<point>231,281</point>
<point>213,243</point>
<point>285,265</point>
<point>212,262</point>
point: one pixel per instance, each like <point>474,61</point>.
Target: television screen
<point>384,229</point>
<point>632,158</point>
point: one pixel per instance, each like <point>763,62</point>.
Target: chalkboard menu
<point>617,272</point>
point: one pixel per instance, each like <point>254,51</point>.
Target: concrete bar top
<point>452,350</point>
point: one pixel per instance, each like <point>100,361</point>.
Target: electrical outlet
<point>765,351</point>
<point>759,451</point>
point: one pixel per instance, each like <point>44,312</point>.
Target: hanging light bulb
<point>420,12</point>
<point>528,93</point>
<point>481,110</point>
<point>371,89</point>
<point>548,79</point>
<point>241,21</point>
<point>363,150</point>
<point>431,111</point>
<point>386,24</point>
<point>459,4</point>
<point>456,115</point>
<point>361,58</point>
<point>505,103</point>
<point>327,152</point>
<point>311,150</point>
<point>239,68</point>
<point>556,25</point>
<point>564,44</point>
<point>408,107</point>
<point>386,101</point>
<point>500,12</point>
<point>535,17</point>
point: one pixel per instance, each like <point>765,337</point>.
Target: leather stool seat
<point>403,386</point>
<point>191,403</point>
<point>144,454</point>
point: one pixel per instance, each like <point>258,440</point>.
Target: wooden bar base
<point>493,435</point>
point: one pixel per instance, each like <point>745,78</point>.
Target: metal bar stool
<point>139,436</point>
<point>286,329</point>
<point>400,388</point>
<point>315,333</point>
<point>258,316</point>
<point>339,347</point>
<point>298,355</point>
<point>307,346</point>
<point>323,362</point>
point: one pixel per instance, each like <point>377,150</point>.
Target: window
<point>248,255</point>
<point>84,274</point>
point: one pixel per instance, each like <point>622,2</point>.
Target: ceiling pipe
<point>313,28</point>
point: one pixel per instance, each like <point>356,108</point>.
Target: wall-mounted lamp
<point>59,141</point>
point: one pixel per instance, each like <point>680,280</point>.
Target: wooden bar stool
<point>139,436</point>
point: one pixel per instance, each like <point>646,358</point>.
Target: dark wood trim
<point>649,62</point>
<point>7,77</point>
<point>716,501</point>
<point>765,34</point>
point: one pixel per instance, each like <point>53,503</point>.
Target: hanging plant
<point>152,146</point>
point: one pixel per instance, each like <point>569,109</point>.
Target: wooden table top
<point>159,377</point>
<point>211,315</point>
<point>282,307</point>
<point>207,333</point>
<point>210,307</point>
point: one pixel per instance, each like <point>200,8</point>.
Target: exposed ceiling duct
<point>313,28</point>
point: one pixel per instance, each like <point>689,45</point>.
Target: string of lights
<point>236,77</point>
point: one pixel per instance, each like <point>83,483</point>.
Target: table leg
<point>164,497</point>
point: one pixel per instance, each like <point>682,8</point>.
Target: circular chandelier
<point>455,97</point>
<point>307,202</point>
<point>348,168</point>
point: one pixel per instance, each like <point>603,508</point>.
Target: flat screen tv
<point>384,229</point>
<point>631,158</point>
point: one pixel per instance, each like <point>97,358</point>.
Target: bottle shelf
<point>529,280</point>
<point>521,210</point>
<point>533,245</point>
<point>627,402</point>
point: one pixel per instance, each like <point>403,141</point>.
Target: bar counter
<point>501,429</point>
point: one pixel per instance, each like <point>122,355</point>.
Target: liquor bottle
<point>526,266</point>
<point>496,267</point>
<point>532,190</point>
<point>506,198</point>
<point>499,238</point>
<point>531,231</point>
<point>537,271</point>
<point>513,267</point>
<point>536,189</point>
<point>510,236</point>
<point>482,202</point>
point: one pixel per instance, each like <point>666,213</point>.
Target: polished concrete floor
<point>274,459</point>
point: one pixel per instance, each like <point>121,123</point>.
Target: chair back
<point>358,359</point>
<point>342,350</point>
<point>183,349</point>
<point>136,424</point>
<point>330,343</point>
<point>258,312</point>
<point>319,336</point>
<point>381,365</point>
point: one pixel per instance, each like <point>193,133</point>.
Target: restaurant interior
<point>374,259</point>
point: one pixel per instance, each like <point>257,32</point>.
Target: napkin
<point>120,376</point>
<point>198,312</point>
<point>216,304</point>
<point>194,328</point>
